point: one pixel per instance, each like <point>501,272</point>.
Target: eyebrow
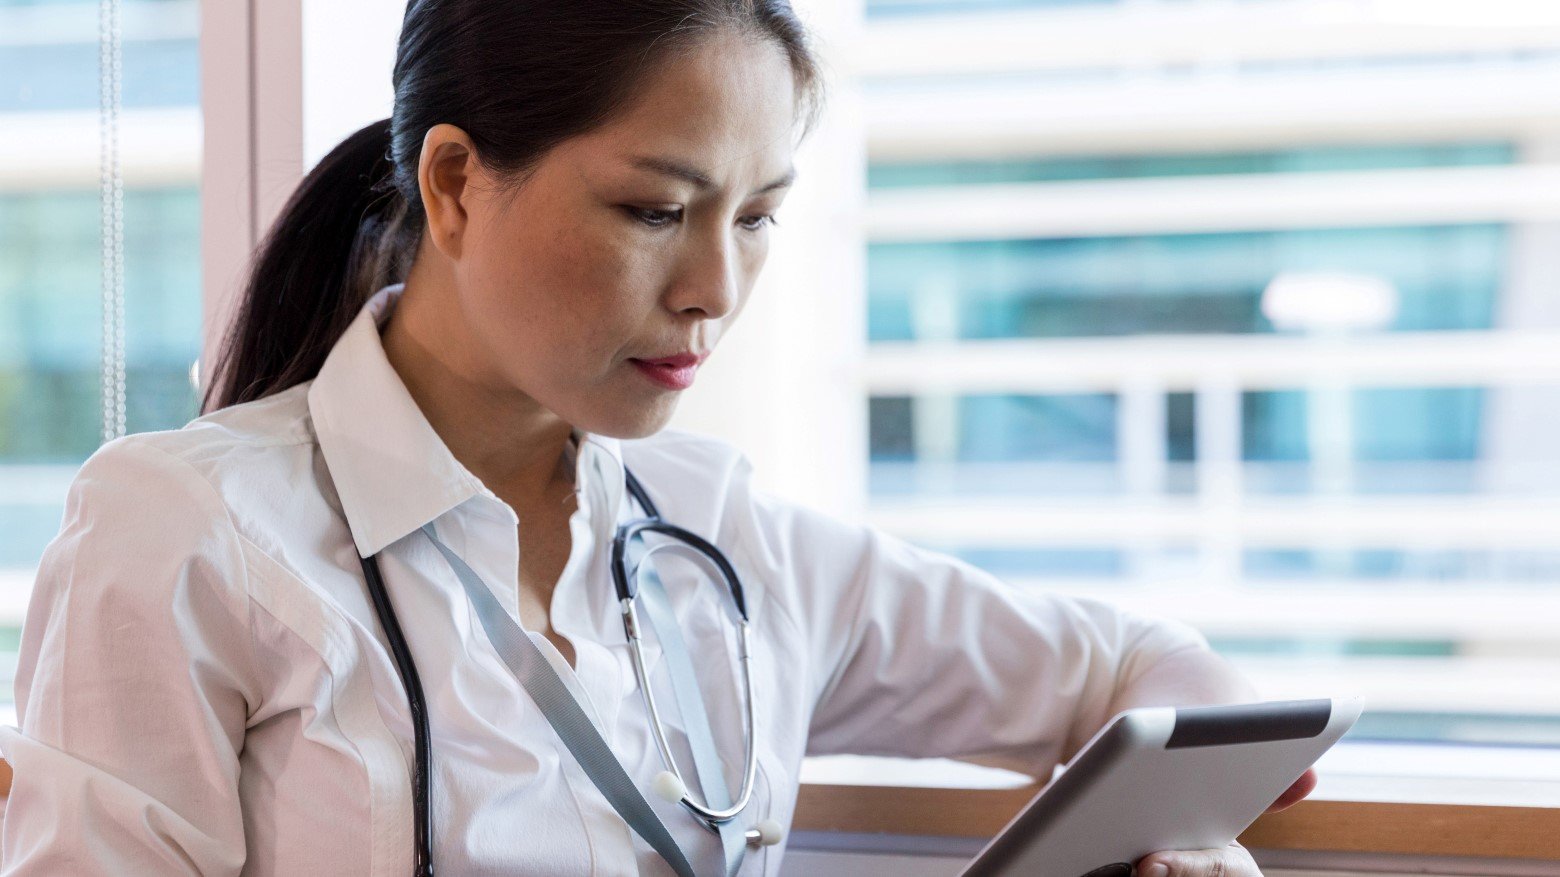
<point>700,179</point>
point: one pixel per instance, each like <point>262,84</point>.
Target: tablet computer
<point>1165,778</point>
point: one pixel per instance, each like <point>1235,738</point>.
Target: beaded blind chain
<point>112,200</point>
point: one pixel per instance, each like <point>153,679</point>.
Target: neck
<point>520,450</point>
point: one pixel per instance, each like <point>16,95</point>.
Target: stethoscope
<point>669,783</point>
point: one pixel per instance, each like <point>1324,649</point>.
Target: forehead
<point>725,104</point>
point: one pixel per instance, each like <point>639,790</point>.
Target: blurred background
<point>1240,311</point>
<point>1244,312</point>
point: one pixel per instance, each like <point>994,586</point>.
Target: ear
<point>448,175</point>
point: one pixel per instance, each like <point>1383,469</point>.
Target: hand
<point>1302,787</point>
<point>1233,860</point>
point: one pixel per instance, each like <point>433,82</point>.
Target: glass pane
<point>1328,534</point>
<point>890,175</point>
<point>50,282</point>
<point>1445,277</point>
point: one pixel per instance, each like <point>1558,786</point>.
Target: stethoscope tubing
<point>750,768</point>
<point>627,592</point>
<point>627,588</point>
<point>422,799</point>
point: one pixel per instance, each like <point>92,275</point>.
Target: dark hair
<point>519,77</point>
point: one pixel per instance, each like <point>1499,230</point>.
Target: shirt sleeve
<point>917,653</point>
<point>133,680</point>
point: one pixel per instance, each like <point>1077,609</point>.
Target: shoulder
<point>149,562</point>
<point>206,477</point>
<point>238,434</point>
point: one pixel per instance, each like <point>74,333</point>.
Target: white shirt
<point>204,688</point>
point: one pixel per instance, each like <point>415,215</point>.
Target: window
<point>1083,374</point>
<point>1059,291</point>
<point>51,368</point>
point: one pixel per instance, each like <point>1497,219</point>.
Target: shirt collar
<point>391,470</point>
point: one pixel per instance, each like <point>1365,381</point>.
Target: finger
<point>1232,861</point>
<point>1296,792</point>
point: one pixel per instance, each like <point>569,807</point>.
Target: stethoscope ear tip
<point>668,786</point>
<point>769,832</point>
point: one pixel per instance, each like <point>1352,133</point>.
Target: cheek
<point>577,293</point>
<point>610,281</point>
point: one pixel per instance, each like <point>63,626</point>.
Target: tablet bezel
<point>1163,728</point>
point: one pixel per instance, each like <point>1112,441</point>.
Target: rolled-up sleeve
<point>917,653</point>
<point>134,680</point>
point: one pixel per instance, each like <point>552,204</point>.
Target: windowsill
<point>1470,810</point>
<point>1379,798</point>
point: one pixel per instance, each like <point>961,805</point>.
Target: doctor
<point>453,363</point>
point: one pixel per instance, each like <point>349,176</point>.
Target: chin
<point>648,422</point>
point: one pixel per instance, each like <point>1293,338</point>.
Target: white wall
<point>785,384</point>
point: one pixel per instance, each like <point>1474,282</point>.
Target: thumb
<point>1231,861</point>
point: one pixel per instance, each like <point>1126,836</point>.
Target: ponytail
<point>345,232</point>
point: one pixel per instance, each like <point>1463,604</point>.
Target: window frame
<point>251,87</point>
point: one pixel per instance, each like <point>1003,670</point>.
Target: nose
<point>710,280</point>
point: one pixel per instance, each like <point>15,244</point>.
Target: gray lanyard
<point>568,719</point>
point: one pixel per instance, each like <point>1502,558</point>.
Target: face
<point>640,239</point>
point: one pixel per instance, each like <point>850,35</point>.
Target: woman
<point>462,337</point>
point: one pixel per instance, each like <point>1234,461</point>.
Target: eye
<point>654,218</point>
<point>758,221</point>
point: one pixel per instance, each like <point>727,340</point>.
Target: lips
<point>681,360</point>
<point>670,372</point>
